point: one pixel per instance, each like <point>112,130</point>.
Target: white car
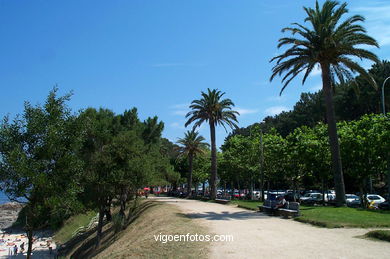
<point>351,197</point>
<point>352,200</point>
<point>311,198</point>
<point>377,199</point>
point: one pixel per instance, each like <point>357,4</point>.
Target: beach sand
<point>9,236</point>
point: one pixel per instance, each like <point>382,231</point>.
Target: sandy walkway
<point>259,236</point>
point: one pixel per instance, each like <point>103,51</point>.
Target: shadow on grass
<point>83,246</point>
<point>225,215</point>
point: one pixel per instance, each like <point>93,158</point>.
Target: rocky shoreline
<point>9,213</point>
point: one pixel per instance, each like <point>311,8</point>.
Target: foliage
<point>302,159</point>
<point>40,162</point>
<point>383,235</point>
<point>216,111</point>
<point>190,146</point>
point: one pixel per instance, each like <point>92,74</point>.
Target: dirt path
<point>259,236</point>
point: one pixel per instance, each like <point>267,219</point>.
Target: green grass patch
<point>64,233</point>
<point>250,205</point>
<point>383,235</point>
<point>336,217</point>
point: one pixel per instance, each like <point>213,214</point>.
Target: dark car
<point>384,205</point>
<point>352,200</point>
<point>311,198</point>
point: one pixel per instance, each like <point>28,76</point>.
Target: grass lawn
<point>138,240</point>
<point>332,217</point>
<point>250,205</point>
<point>383,235</point>
<point>64,234</point>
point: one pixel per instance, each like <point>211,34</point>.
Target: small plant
<point>383,235</point>
<point>118,222</point>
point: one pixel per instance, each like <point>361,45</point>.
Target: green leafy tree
<point>39,162</point>
<point>216,111</point>
<point>191,145</point>
<point>330,43</point>
<point>241,160</point>
<point>99,178</point>
<point>364,144</point>
<point>201,171</point>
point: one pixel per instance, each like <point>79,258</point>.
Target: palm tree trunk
<point>189,179</point>
<point>333,137</point>
<point>213,178</point>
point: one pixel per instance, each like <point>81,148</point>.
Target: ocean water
<point>3,198</point>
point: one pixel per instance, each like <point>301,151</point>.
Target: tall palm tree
<point>213,109</point>
<point>191,145</point>
<point>329,43</point>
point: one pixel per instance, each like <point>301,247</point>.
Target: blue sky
<point>157,55</point>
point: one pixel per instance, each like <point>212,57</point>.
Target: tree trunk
<point>132,208</point>
<point>107,210</point>
<point>323,192</point>
<point>100,225</point>
<point>196,189</point>
<point>333,137</point>
<point>189,178</point>
<point>213,178</point>
<point>123,203</point>
<point>388,176</point>
<point>262,166</point>
<point>251,190</point>
<point>30,242</point>
<point>204,188</point>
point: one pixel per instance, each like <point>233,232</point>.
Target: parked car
<point>238,195</point>
<point>291,195</point>
<point>377,199</point>
<point>384,205</point>
<point>256,194</point>
<point>352,200</point>
<point>330,195</point>
<point>311,198</point>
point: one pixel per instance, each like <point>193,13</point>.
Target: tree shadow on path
<point>226,215</point>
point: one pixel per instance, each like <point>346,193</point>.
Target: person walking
<point>22,247</point>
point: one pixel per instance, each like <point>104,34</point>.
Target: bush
<point>383,235</point>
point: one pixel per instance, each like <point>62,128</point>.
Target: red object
<point>146,189</point>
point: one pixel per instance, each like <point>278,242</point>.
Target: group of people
<point>14,250</point>
<point>280,203</point>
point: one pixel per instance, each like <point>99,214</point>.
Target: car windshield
<point>307,195</point>
<point>374,197</point>
<point>351,196</point>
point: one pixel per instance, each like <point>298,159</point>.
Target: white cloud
<point>180,109</point>
<point>168,65</point>
<point>316,88</point>
<point>176,125</point>
<point>177,65</point>
<point>274,110</point>
<point>261,83</point>
<point>278,98</point>
<point>180,112</point>
<point>377,20</point>
<point>316,71</point>
<point>243,111</point>
<point>180,106</point>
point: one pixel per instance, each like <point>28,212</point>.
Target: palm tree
<point>210,108</point>
<point>191,145</point>
<point>330,44</point>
